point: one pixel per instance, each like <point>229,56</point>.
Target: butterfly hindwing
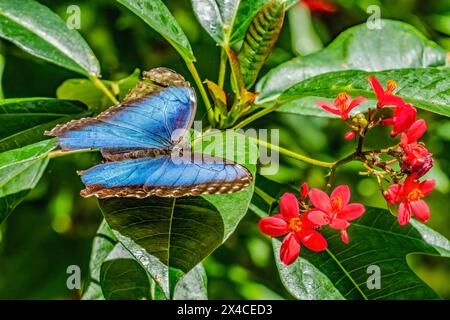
<point>156,121</point>
<point>161,176</point>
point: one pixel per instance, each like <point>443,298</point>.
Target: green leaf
<point>103,243</point>
<point>20,171</point>
<point>122,277</point>
<point>2,68</point>
<point>260,39</point>
<point>25,120</point>
<point>85,90</point>
<point>217,17</point>
<point>192,286</point>
<point>157,16</point>
<point>376,239</point>
<point>171,236</point>
<point>40,32</point>
<point>226,21</point>
<point>425,88</point>
<point>397,45</point>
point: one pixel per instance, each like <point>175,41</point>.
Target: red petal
<point>352,211</point>
<point>393,194</point>
<point>289,206</point>
<point>344,236</point>
<point>318,217</point>
<point>390,100</point>
<point>387,122</point>
<point>410,184</point>
<point>273,226</point>
<point>331,108</point>
<point>313,240</point>
<point>404,213</point>
<point>416,130</point>
<point>421,210</point>
<point>356,102</point>
<point>339,224</point>
<point>427,186</point>
<point>376,86</point>
<point>342,192</point>
<point>290,249</point>
<point>320,199</point>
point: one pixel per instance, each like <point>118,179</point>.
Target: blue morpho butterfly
<point>137,138</point>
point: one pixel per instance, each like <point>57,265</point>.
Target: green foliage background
<point>54,227</point>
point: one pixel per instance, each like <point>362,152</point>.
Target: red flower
<point>416,159</point>
<point>342,105</point>
<point>404,117</point>
<point>335,209</point>
<point>386,96</point>
<point>319,5</point>
<point>297,227</point>
<point>410,195</point>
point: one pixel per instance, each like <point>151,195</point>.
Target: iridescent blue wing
<point>162,176</point>
<point>155,121</point>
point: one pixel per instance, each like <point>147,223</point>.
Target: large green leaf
<point>227,21</point>
<point>425,88</point>
<point>25,120</point>
<point>87,92</point>
<point>115,274</point>
<point>376,239</point>
<point>2,68</point>
<point>122,277</point>
<point>157,16</point>
<point>171,236</point>
<point>103,243</point>
<point>20,171</point>
<point>217,17</point>
<point>37,30</point>
<point>396,45</point>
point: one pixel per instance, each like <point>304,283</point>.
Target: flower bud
<point>344,236</point>
<point>360,120</point>
<point>350,135</point>
<point>304,190</point>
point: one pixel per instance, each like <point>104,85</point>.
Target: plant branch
<point>100,85</point>
<point>222,68</point>
<point>292,154</point>
<point>256,115</point>
<point>190,65</point>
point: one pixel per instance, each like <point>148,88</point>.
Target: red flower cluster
<point>414,159</point>
<point>301,227</point>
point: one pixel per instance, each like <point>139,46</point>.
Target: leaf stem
<point>292,154</point>
<point>190,65</point>
<point>100,85</point>
<point>222,68</point>
<point>256,115</point>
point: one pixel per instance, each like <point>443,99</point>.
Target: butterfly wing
<point>155,121</point>
<point>163,177</point>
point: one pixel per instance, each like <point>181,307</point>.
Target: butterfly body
<point>140,139</point>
